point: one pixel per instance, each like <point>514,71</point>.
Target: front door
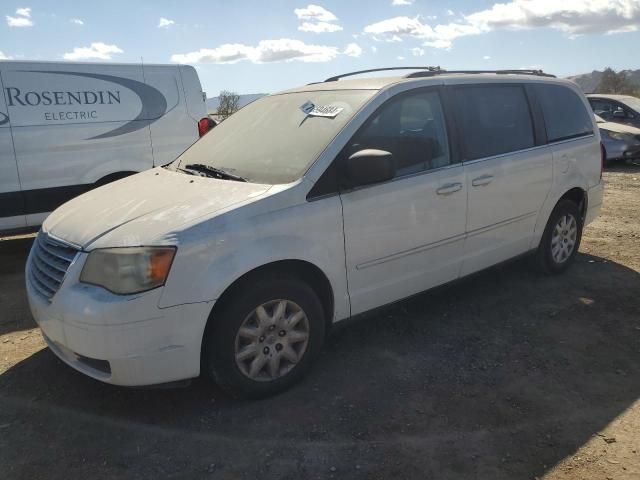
<point>405,235</point>
<point>11,203</point>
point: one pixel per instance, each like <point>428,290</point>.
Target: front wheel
<point>264,338</point>
<point>561,238</point>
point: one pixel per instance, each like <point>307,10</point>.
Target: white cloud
<point>374,49</point>
<point>399,3</point>
<point>97,51</point>
<point>266,51</point>
<point>353,50</point>
<point>315,13</point>
<point>165,23</point>
<point>316,19</point>
<point>22,18</point>
<point>418,52</point>
<point>573,17</point>
<point>76,21</point>
<point>319,27</point>
<point>397,26</point>
<point>4,57</point>
<point>486,57</point>
<point>400,58</point>
<point>451,13</point>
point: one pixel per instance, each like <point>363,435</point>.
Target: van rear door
<point>11,202</point>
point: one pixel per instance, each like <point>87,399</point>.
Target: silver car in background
<point>620,142</point>
<point>623,109</point>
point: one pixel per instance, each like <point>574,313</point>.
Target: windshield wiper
<point>214,172</point>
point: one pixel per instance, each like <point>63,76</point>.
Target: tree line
<point>617,83</point>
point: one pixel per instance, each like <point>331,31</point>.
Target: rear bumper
<point>594,202</point>
<point>123,340</point>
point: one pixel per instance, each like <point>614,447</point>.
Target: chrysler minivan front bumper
<point>119,339</point>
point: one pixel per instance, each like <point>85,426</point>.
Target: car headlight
<point>620,136</point>
<point>128,270</point>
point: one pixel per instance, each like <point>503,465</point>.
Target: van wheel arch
<point>112,177</point>
<point>578,196</point>
<point>302,269</point>
<point>305,271</point>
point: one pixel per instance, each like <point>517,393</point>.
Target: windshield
<point>272,140</point>
<point>633,102</point>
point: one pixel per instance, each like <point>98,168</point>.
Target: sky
<point>262,46</point>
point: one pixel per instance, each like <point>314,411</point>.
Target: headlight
<point>620,136</point>
<point>129,269</point>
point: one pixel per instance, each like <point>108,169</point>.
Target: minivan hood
<point>143,208</point>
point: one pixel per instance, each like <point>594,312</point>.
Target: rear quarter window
<point>565,115</point>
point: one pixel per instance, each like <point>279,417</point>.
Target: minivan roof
<point>378,83</point>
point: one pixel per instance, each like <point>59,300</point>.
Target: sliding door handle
<point>449,188</point>
<point>482,180</point>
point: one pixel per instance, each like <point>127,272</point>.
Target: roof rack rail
<point>359,72</point>
<point>431,73</point>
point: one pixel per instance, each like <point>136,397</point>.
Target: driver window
<point>412,128</point>
<point>603,108</point>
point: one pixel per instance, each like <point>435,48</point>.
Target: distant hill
<point>589,81</point>
<point>213,102</point>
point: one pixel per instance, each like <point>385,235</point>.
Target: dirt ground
<point>508,374</point>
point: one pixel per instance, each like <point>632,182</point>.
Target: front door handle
<point>449,188</point>
<point>482,180</point>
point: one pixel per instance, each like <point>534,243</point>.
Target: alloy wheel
<point>272,340</point>
<point>564,238</point>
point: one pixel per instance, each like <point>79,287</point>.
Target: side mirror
<point>370,166</point>
<point>619,114</point>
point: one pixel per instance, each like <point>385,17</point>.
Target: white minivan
<point>68,127</point>
<point>307,207</point>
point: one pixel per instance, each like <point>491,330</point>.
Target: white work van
<point>66,128</point>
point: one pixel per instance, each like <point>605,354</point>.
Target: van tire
<point>223,341</point>
<point>547,259</point>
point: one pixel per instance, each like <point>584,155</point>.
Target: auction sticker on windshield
<point>328,111</point>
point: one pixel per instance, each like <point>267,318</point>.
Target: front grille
<point>49,262</point>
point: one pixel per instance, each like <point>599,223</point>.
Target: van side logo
<point>154,104</point>
<point>3,118</point>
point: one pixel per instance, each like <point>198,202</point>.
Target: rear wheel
<point>264,338</point>
<point>561,238</point>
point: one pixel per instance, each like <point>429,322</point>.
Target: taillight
<point>204,125</point>
<point>603,158</point>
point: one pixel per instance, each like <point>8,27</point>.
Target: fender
<point>203,270</point>
<point>573,178</point>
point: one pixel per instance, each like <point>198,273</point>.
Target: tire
<point>281,359</point>
<point>554,258</point>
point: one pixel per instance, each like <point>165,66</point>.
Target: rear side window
<point>494,119</point>
<point>565,116</point>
